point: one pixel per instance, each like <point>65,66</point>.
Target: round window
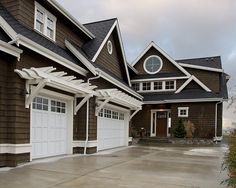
<point>109,47</point>
<point>152,64</point>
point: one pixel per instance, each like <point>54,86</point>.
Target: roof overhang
<point>184,100</point>
<point>119,97</point>
<point>160,79</point>
<point>71,18</point>
<point>201,67</point>
<point>46,76</point>
<point>9,49</point>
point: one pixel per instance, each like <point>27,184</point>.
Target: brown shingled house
<point>189,89</point>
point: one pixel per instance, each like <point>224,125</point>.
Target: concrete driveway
<point>132,167</point>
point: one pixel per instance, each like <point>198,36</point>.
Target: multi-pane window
<point>170,85</point>
<point>115,115</point>
<point>101,113</point>
<point>121,116</point>
<point>158,85</point>
<point>59,107</point>
<point>45,22</point>
<point>183,111</point>
<point>107,113</point>
<point>135,86</point>
<point>146,86</point>
<point>40,103</point>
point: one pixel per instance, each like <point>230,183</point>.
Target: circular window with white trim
<point>109,47</point>
<point>152,64</point>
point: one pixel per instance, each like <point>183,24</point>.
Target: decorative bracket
<point>33,92</point>
<point>98,109</point>
<point>85,99</point>
<point>134,113</point>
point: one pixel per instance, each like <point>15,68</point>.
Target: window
<point>121,116</point>
<point>146,86</point>
<point>158,86</point>
<point>152,64</point>
<point>107,113</point>
<point>109,47</point>
<point>183,111</point>
<point>45,22</point>
<point>40,103</point>
<point>59,107</point>
<point>100,113</point>
<point>170,85</point>
<point>135,86</point>
<point>115,115</point>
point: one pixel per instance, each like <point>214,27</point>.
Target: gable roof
<point>102,30</point>
<point>152,44</point>
<point>63,11</point>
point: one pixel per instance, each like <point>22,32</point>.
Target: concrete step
<point>153,140</point>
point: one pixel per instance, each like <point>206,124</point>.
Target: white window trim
<point>46,15</point>
<point>144,64</point>
<point>183,108</point>
<point>152,87</point>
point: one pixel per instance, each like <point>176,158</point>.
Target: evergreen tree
<point>179,131</point>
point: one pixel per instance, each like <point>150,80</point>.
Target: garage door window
<point>59,107</point>
<point>40,103</point>
<point>121,116</point>
<point>107,113</point>
<point>100,113</point>
<point>115,115</point>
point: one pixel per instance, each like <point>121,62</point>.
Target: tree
<point>179,131</point>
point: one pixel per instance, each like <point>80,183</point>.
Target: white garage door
<point>112,130</point>
<point>49,128</point>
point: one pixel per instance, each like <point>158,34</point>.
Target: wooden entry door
<point>161,124</point>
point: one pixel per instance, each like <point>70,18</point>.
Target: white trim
<point>81,143</point>
<point>80,57</point>
<point>183,100</point>
<point>7,28</point>
<point>71,18</point>
<point>12,50</point>
<point>104,42</point>
<point>118,83</point>
<point>51,55</point>
<point>15,148</point>
<point>160,79</point>
<point>134,113</point>
<point>112,106</point>
<point>183,108</point>
<point>109,50</point>
<point>116,24</point>
<point>132,68</point>
<point>46,15</point>
<point>197,81</point>
<point>201,67</point>
<point>152,44</point>
<point>145,63</point>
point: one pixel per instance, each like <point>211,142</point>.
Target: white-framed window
<point>152,64</point>
<point>136,86</point>
<point>44,22</point>
<point>40,103</point>
<point>170,85</point>
<point>58,107</point>
<point>158,85</point>
<point>115,115</point>
<point>146,86</point>
<point>107,113</point>
<point>183,111</point>
<point>100,114</point>
<point>121,116</point>
<point>109,47</point>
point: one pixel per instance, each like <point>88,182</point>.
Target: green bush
<point>230,161</point>
<point>179,131</point>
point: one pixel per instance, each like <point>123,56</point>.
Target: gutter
<point>216,121</point>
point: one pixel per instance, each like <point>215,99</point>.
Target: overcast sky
<point>183,28</point>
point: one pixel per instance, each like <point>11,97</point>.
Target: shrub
<point>179,131</point>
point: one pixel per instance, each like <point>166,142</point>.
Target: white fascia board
<point>132,68</point>
<point>80,57</point>
<point>49,54</point>
<point>71,18</point>
<point>201,67</point>
<point>152,44</point>
<point>123,52</point>
<point>15,148</point>
<point>112,80</point>
<point>104,42</point>
<point>184,100</point>
<point>160,79</point>
<point>12,50</point>
<point>7,28</point>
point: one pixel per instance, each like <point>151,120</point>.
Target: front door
<point>161,123</point>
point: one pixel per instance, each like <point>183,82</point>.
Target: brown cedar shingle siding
<point>209,78</point>
<point>112,62</point>
<point>12,160</point>
<point>168,67</point>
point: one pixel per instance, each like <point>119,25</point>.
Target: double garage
<point>50,130</point>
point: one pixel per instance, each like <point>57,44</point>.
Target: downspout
<point>216,121</point>
<point>87,117</point>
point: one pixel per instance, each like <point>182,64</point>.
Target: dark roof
<point>34,36</point>
<point>212,62</point>
<point>100,29</point>
<point>159,75</point>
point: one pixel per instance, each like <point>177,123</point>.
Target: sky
<point>182,28</point>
